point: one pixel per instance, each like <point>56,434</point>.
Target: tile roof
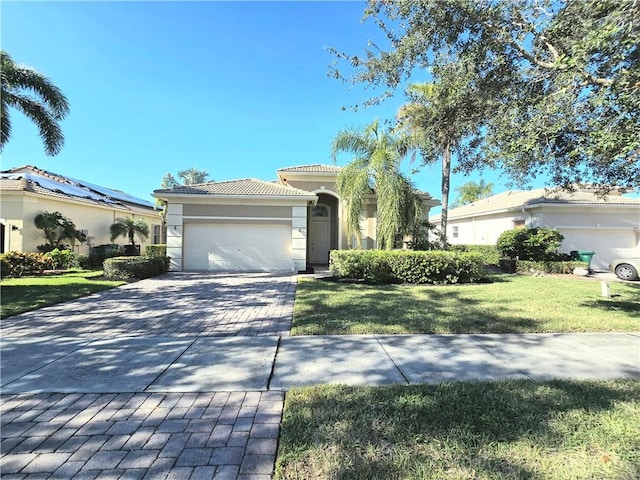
<point>516,199</point>
<point>242,187</point>
<point>312,169</point>
<point>33,179</point>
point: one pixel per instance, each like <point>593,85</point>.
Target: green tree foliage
<point>35,96</point>
<point>57,228</point>
<point>130,228</point>
<point>559,79</point>
<point>440,116</point>
<point>471,191</point>
<point>375,169</point>
<point>191,176</point>
<point>536,244</point>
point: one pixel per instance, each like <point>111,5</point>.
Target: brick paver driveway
<point>143,432</point>
<point>177,304</point>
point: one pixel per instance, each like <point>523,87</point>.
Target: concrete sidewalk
<point>207,364</point>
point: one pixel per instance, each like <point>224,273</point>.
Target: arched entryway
<point>323,229</point>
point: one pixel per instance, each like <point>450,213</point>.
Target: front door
<point>319,235</point>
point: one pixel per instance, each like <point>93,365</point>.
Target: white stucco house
<point>256,225</point>
<point>608,226</point>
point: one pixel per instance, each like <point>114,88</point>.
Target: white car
<point>626,268</point>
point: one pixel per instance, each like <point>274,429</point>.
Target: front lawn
<point>510,304</point>
<point>502,430</point>
<point>30,293</point>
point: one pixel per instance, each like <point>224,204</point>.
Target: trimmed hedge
<point>541,267</point>
<point>490,254</point>
<point>536,268</point>
<point>159,250</point>
<point>126,268</point>
<point>18,264</point>
<point>406,266</point>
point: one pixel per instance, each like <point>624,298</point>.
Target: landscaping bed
<point>507,304</point>
<point>499,430</point>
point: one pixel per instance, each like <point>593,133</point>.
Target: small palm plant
<point>129,227</point>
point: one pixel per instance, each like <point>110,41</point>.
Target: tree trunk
<point>446,179</point>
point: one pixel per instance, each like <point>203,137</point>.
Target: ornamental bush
<point>537,268</point>
<point>535,244</point>
<point>25,263</point>
<point>128,268</point>
<point>406,266</point>
<point>489,253</point>
<point>62,259</point>
<point>159,250</point>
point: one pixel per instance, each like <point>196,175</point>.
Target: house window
<point>519,224</point>
<point>157,235</point>
<point>454,231</point>
<point>320,211</point>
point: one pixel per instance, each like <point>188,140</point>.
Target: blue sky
<point>238,89</point>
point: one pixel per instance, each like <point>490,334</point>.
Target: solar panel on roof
<point>54,186</point>
<point>114,194</point>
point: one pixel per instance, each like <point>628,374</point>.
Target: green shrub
<point>536,268</point>
<point>489,253</point>
<point>95,259</point>
<point>535,244</point>
<point>82,259</point>
<point>159,250</point>
<point>5,268</point>
<point>25,263</point>
<point>406,266</point>
<point>508,265</point>
<point>125,268</point>
<point>62,258</point>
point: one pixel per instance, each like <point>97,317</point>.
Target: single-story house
<point>608,226</point>
<point>28,191</point>
<point>256,225</point>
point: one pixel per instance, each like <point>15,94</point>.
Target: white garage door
<point>237,247</point>
<point>608,245</point>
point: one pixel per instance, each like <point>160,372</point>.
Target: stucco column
<point>299,237</point>
<point>174,236</point>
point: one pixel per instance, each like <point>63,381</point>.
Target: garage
<point>608,244</point>
<point>247,247</point>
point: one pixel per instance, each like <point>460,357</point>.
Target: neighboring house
<point>254,225</point>
<point>608,226</point>
<point>27,191</point>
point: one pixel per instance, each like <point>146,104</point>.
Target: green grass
<point>518,430</point>
<point>30,293</point>
<point>510,303</point>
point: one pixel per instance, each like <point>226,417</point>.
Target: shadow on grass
<point>628,301</point>
<point>446,429</point>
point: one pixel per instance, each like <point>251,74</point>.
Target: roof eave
<point>235,197</point>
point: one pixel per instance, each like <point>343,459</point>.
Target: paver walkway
<point>75,400</point>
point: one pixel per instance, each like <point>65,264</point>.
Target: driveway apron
<point>162,378</point>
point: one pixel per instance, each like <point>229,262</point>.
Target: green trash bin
<point>585,257</point>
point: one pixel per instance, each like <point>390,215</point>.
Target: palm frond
<point>19,77</point>
<point>49,129</point>
<point>5,124</point>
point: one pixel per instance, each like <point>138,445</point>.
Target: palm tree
<point>471,192</point>
<point>129,227</point>
<point>193,176</point>
<point>375,169</point>
<point>35,96</point>
<point>440,117</point>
